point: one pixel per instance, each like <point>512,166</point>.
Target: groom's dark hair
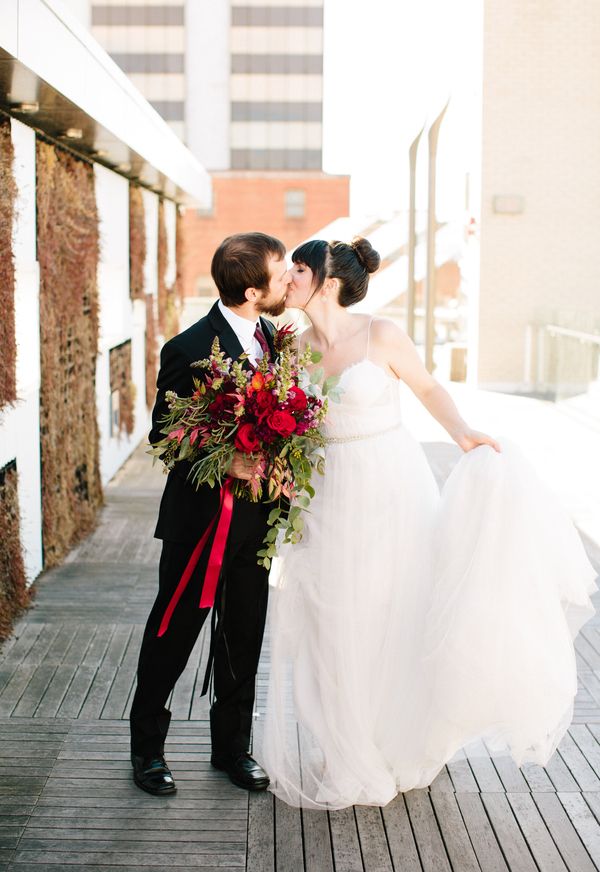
<point>240,262</point>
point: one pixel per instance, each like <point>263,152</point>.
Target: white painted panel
<point>139,39</point>
<point>20,424</point>
<point>256,86</point>
<point>120,319</point>
<point>277,40</point>
<point>275,134</point>
<point>171,228</point>
<point>9,25</point>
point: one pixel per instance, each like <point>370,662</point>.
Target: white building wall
<point>20,424</point>
<point>541,129</point>
<point>119,320</point>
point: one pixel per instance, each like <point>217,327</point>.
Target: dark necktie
<point>260,338</point>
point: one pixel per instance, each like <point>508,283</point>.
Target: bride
<point>407,623</point>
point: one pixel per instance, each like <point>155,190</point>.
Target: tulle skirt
<point>408,623</point>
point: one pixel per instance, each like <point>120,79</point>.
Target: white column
<point>20,424</point>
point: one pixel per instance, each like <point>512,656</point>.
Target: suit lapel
<point>228,341</point>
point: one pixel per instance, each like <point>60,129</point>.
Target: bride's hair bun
<point>351,263</point>
<point>367,256</point>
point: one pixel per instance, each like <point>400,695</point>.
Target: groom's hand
<point>242,466</point>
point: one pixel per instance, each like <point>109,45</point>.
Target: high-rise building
<point>241,82</point>
<point>148,42</point>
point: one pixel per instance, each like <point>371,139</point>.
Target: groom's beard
<point>273,309</point>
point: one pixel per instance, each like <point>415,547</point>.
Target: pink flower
<point>177,434</point>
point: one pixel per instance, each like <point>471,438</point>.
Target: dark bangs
<point>314,255</point>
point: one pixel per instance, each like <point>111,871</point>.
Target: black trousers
<point>241,604</point>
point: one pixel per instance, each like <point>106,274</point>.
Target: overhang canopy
<point>57,78</point>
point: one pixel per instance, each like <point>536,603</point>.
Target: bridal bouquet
<point>272,413</point>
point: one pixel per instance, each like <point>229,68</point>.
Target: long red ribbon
<point>215,559</point>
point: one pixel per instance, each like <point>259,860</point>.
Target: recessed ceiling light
<point>73,133</point>
<point>26,108</point>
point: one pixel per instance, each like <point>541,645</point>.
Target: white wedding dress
<point>406,624</point>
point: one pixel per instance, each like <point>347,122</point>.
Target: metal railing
<point>565,359</point>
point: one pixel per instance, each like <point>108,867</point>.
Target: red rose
<point>265,402</point>
<point>246,439</point>
<point>282,422</point>
<point>297,399</point>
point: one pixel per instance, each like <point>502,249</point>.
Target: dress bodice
<point>369,402</point>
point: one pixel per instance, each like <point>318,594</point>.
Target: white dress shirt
<point>244,330</point>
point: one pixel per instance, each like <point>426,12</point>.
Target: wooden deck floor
<point>66,796</point>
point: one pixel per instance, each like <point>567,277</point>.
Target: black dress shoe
<point>153,775</point>
<point>242,769</point>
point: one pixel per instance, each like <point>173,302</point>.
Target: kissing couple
<point>406,622</point>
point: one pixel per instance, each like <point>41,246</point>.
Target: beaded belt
<point>361,436</point>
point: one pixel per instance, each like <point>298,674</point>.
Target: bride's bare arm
<point>392,345</point>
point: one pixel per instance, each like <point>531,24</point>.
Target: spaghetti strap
<point>369,336</point>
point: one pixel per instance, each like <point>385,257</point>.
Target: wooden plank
<point>584,822</point>
<point>427,835</point>
<point>62,857</point>
<point>373,841</point>
<point>559,774</point>
<point>261,837</point>
<point>461,774</point>
<point>403,848</point>
<point>20,678</point>
<point>442,782</point>
<point>483,839</point>
<point>538,838</point>
<point>536,778</point>
<point>456,838</point>
<point>62,678</point>
<point>579,767</point>
<point>104,677</point>
<point>507,832</point>
<point>318,853</point>
<point>563,832</point>
<point>483,769</point>
<point>288,837</point>
<point>344,842</point>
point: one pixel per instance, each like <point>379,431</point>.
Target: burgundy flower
<point>246,439</point>
<point>282,422</point>
<point>297,399</point>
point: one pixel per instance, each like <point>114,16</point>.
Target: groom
<point>252,278</point>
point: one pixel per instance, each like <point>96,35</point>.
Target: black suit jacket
<point>184,510</point>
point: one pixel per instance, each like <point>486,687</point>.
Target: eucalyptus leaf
<point>273,516</point>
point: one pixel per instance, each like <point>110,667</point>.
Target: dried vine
<point>14,595</point>
<point>137,242</point>
<point>121,381</point>
<point>68,249</point>
<point>8,193</point>
<point>168,313</point>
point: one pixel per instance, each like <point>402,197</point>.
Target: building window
<point>295,203</point>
